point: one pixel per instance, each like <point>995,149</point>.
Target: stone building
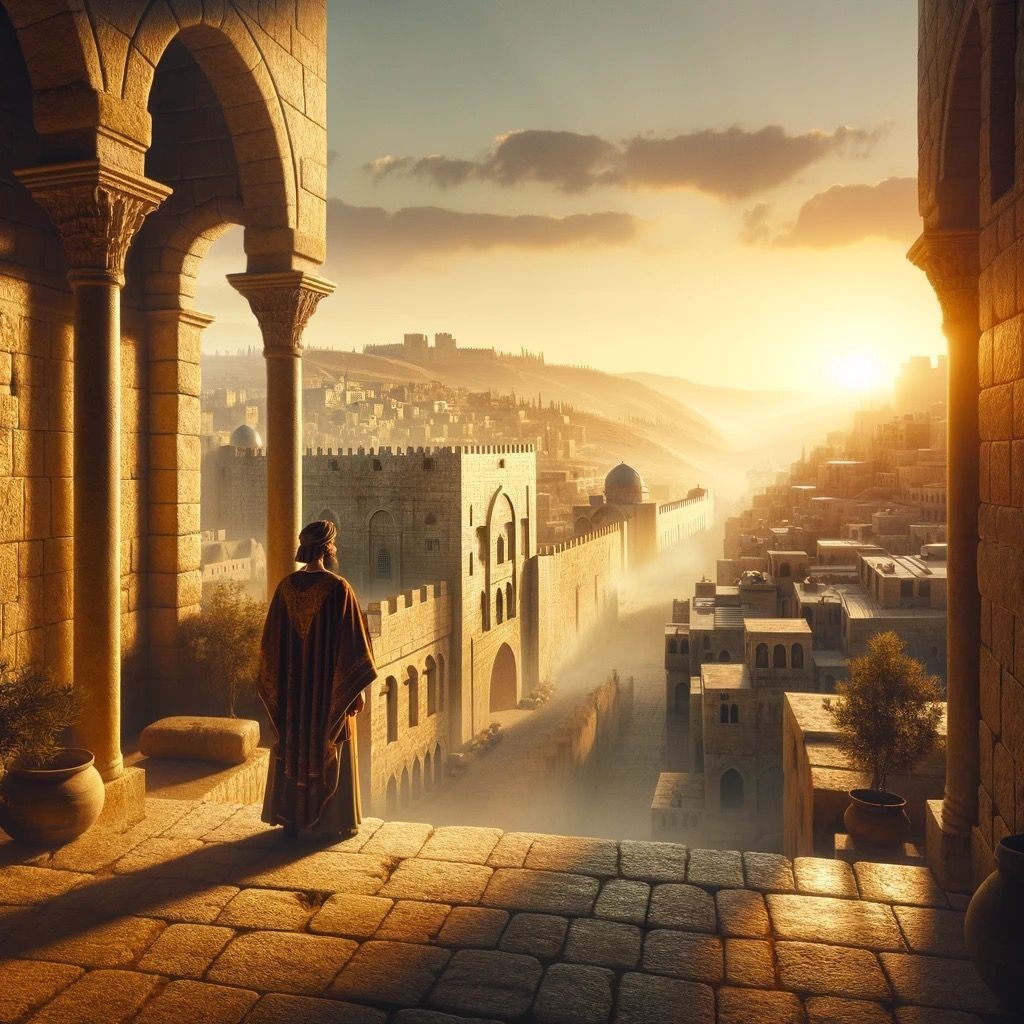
<point>131,136</point>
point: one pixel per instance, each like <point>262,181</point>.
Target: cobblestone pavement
<point>202,914</point>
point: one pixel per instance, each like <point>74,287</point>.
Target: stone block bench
<point>196,738</point>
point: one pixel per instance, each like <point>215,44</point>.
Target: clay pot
<point>52,805</point>
<point>993,928</point>
<point>876,819</point>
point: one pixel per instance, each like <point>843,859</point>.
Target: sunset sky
<point>722,191</point>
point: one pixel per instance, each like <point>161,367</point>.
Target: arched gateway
<point>504,680</point>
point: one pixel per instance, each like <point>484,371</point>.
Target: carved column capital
<point>282,304</point>
<point>952,262</point>
<point>97,209</point>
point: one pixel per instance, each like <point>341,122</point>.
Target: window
<point>501,549</point>
<point>779,656</point>
<point>684,646</point>
<point>499,607</point>
<point>430,519</point>
<point>391,708</point>
<point>377,467</point>
<point>485,611</point>
<point>761,656</point>
<point>384,564</point>
<point>510,601</point>
<point>707,642</point>
<point>723,713</point>
<point>906,588</point>
<point>734,714</point>
<point>673,647</point>
<point>430,671</point>
<point>440,683</point>
<point>428,465</point>
<point>784,571</point>
<point>413,682</point>
<point>797,656</point>
<point>924,589</point>
<point>724,657</point>
<point>432,544</point>
<point>731,791</point>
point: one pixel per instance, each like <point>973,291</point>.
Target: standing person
<point>316,658</point>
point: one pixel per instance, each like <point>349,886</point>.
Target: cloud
<point>729,164</point>
<point>843,215</point>
<point>375,236</point>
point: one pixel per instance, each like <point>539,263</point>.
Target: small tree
<point>34,711</point>
<point>889,710</point>
<point>224,641</point>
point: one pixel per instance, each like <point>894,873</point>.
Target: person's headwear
<point>314,538</point>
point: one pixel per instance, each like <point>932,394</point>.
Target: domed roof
<point>624,485</point>
<point>245,436</point>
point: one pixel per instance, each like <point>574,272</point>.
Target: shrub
<point>888,711</point>
<point>34,711</point>
<point>224,641</point>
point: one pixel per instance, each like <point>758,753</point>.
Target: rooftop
<point>759,626</point>
<point>202,909</point>
<point>724,677</point>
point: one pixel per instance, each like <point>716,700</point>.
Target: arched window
<point>413,682</point>
<point>430,671</point>
<point>499,607</point>
<point>779,656</point>
<point>383,564</point>
<point>673,647</point>
<point>797,655</point>
<point>501,549</point>
<point>485,611</point>
<point>761,656</point>
<point>440,682</point>
<point>734,714</point>
<point>784,571</point>
<point>510,600</point>
<point>731,791</point>
<point>391,708</point>
<point>684,646</point>
<point>724,657</point>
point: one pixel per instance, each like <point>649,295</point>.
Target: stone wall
<point>681,519</point>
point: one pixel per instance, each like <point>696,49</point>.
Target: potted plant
<point>224,642</point>
<point>48,794</point>
<point>887,715</point>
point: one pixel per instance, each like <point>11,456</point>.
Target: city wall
<point>679,520</point>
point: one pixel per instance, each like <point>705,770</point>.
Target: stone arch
<point>404,788</point>
<point>779,656</point>
<point>724,657</point>
<point>761,656</point>
<point>438,764</point>
<point>504,693</point>
<point>391,797</point>
<point>510,600</point>
<point>796,656</point>
<point>606,515</point>
<point>428,770</point>
<point>391,708</point>
<point>417,779</point>
<point>730,789</point>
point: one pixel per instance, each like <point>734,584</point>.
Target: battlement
<point>674,506</point>
<point>394,610</point>
<point>388,452</point>
<point>576,542</point>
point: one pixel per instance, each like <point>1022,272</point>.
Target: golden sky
<point>722,191</point>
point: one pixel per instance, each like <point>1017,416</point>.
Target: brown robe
<point>316,659</point>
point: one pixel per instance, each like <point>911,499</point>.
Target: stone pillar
<point>951,261</point>
<point>97,211</point>
<point>282,304</point>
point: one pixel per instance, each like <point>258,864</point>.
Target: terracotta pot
<point>52,805</point>
<point>993,928</point>
<point>876,819</point>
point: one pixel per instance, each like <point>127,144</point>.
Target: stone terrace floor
<point>202,914</point>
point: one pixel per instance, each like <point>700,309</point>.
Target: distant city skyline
<point>718,192</point>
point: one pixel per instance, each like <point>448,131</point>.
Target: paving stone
<point>192,1001</point>
<point>119,993</point>
<point>410,921</point>
<point>434,1017</point>
<point>929,1015</point>
<point>742,913</point>
<point>282,962</point>
<point>185,950</point>
<point>351,915</point>
<point>931,981</point>
<point>27,984</point>
<point>753,1006</point>
<point>22,885</point>
<point>398,839</point>
<point>830,970</point>
<point>175,900</point>
<point>267,910</point>
<point>684,955</point>
<point>488,983</point>
<point>571,994</point>
<point>768,872</point>
<point>74,939</point>
<point>284,1009</point>
<point>681,906</point>
<point>582,856</point>
<point>830,1010</point>
<point>200,820</point>
<point>323,871</point>
<point>175,858</point>
<point>651,861</point>
<point>715,869</point>
<point>834,921</point>
<point>823,877</point>
<point>462,844</point>
<point>438,881</point>
<point>749,962</point>
<point>390,973</point>
<point>542,891</point>
<point>473,927</point>
<point>603,943</point>
<point>245,824</point>
<point>623,900</point>
<point>535,934</point>
<point>935,932</point>
<point>899,883</point>
<point>511,850</point>
<point>650,999</point>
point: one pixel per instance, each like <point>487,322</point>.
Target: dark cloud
<point>843,215</point>
<point>729,164</point>
<point>372,237</point>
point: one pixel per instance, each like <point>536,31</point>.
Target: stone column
<point>951,261</point>
<point>282,304</point>
<point>97,211</point>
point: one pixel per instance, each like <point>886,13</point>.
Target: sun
<point>857,372</point>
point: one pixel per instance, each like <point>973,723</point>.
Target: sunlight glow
<point>858,372</point>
